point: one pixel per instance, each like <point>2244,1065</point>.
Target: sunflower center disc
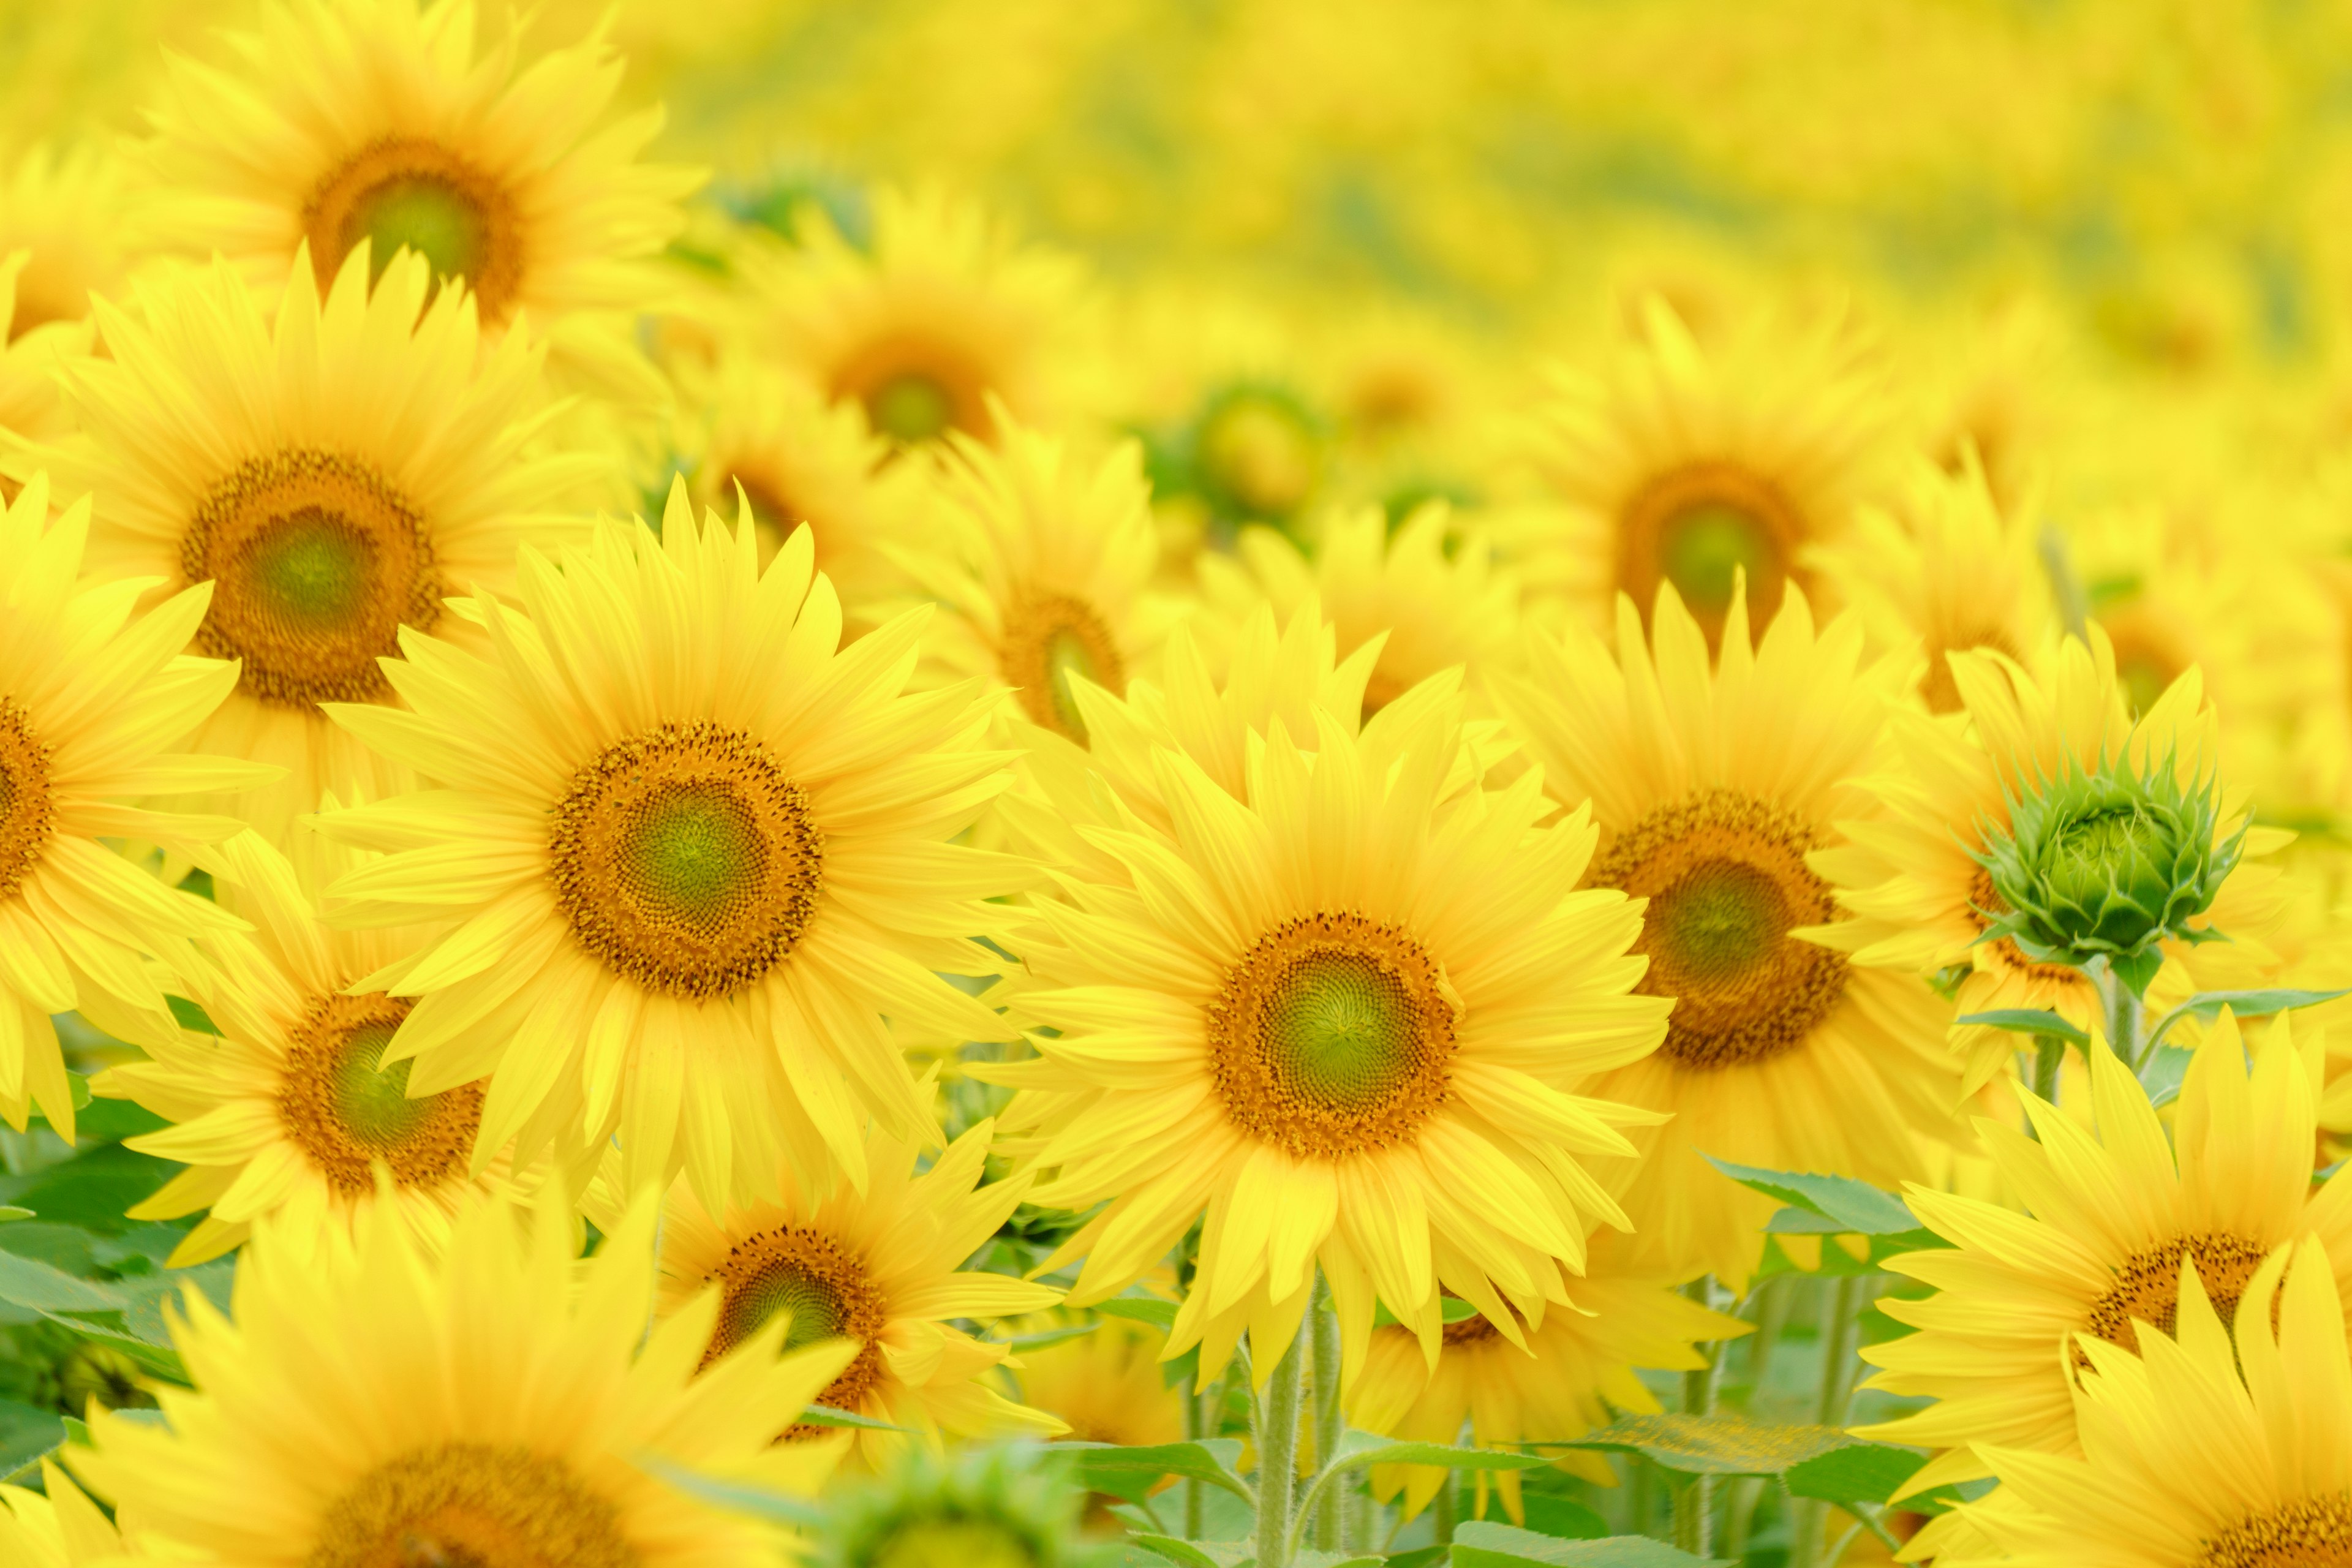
<point>1697,528</point>
<point>472,1505</point>
<point>347,1109</point>
<point>910,406</point>
<point>2309,1533</point>
<point>2147,1287</point>
<point>1332,1037</point>
<point>686,860</point>
<point>801,1270</point>
<point>26,808</point>
<point>1047,638</point>
<point>1727,880</point>
<point>410,192</point>
<point>316,563</point>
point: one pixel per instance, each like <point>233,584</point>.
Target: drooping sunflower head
<point>434,146</point>
<point>1694,467</point>
<point>940,312</point>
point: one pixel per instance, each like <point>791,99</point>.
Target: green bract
<point>2107,865</point>
<point>1008,1507</point>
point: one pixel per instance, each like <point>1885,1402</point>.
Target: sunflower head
<point>2107,862</point>
<point>991,1508</point>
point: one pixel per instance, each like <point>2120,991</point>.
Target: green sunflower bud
<point>1006,1507</point>
<point>2108,865</point>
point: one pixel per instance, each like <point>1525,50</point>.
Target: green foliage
<point>1129,1472</point>
<point>1484,1545</point>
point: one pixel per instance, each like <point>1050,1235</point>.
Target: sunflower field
<point>1175,784</point>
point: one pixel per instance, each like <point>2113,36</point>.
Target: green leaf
<point>11,1212</point>
<point>1108,1467</point>
<point>1045,1337</point>
<point>1450,1308</point>
<point>1160,1315</point>
<point>2028,1021</point>
<point>191,1016</point>
<point>1548,1515</point>
<point>1857,1206</point>
<point>1198,1554</point>
<point>1313,1558</point>
<point>1358,1449</point>
<point>1861,1472</point>
<point>1418,1557</point>
<point>760,1502</point>
<point>2165,1071</point>
<point>27,1433</point>
<point>1713,1444</point>
<point>1482,1543</point>
<point>826,1415</point>
<point>2206,1006</point>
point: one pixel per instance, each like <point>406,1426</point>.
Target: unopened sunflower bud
<point>1007,1507</point>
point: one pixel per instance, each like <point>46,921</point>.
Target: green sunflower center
<point>316,563</point>
<point>347,1109</point>
<point>815,1312</point>
<point>472,1505</point>
<point>1728,883</point>
<point>1332,1037</point>
<point>910,406</point>
<point>953,1543</point>
<point>1047,638</point>
<point>26,810</point>
<point>411,193</point>
<point>799,1269</point>
<point>686,860</point>
<point>1341,1030</point>
<point>2308,1532</point>
<point>1703,548</point>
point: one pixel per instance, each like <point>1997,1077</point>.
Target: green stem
<point>1277,1413</point>
<point>2121,1011</point>
<point>1695,1501</point>
<point>1196,1426</point>
<point>1324,1323</point>
<point>1771,1301</point>
<point>2049,1061</point>
<point>1442,1513</point>
<point>1839,1314</point>
<point>1740,1515</point>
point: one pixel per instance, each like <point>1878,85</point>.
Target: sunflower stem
<point>1196,1426</point>
<point>2121,1012</point>
<point>1701,1386</point>
<point>1276,1420</point>
<point>1440,1515</point>
<point>2049,1061</point>
<point>1840,1318</point>
<point>1324,1323</point>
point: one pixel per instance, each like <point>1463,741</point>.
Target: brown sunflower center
<point>415,194</point>
<point>914,389</point>
<point>472,1505</point>
<point>316,563</point>
<point>28,808</point>
<point>347,1107</point>
<point>686,860</point>
<point>821,1285</point>
<point>2309,1533</point>
<point>1727,880</point>
<point>1698,527</point>
<point>1047,638</point>
<point>2147,1287</point>
<point>1332,1036</point>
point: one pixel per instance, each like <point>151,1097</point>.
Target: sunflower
<point>348,122</point>
<point>65,208</point>
<point>1106,1384</point>
<point>1947,568</point>
<point>1335,1006</point>
<point>372,1403</point>
<point>288,1111</point>
<point>1043,572</point>
<point>2212,1448</point>
<point>800,459</point>
<point>1443,602</point>
<point>1723,797</point>
<point>877,1267</point>
<point>57,1527</point>
<point>941,310</point>
<point>1568,1377</point>
<point>91,695</point>
<point>332,474</point>
<point>2114,1216</point>
<point>693,857</point>
<point>1946,787</point>
<point>1690,464</point>
<point>29,404</point>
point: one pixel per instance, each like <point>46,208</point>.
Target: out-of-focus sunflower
<point>1690,466</point>
<point>1723,795</point>
<point>2114,1218</point>
<point>91,693</point>
<point>1573,1371</point>
<point>333,474</point>
<point>1106,1384</point>
<point>1337,1006</point>
<point>57,1527</point>
<point>939,310</point>
<point>292,1110</point>
<point>29,404</point>
<point>1946,788</point>
<point>370,1402</point>
<point>801,459</point>
<point>1442,603</point>
<point>73,212</point>
<point>338,122</point>
<point>692,858</point>
<point>2229,1446</point>
<point>877,1267</point>
<point>1042,562</point>
<point>1946,568</point>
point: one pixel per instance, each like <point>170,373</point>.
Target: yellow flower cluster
<point>961,814</point>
